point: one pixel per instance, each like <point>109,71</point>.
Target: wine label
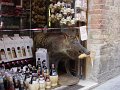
<point>14,53</point>
<point>10,55</point>
<point>48,85</point>
<point>23,51</point>
<point>54,80</point>
<point>19,53</point>
<point>42,86</point>
<point>3,57</point>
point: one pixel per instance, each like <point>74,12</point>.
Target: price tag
<point>83,33</point>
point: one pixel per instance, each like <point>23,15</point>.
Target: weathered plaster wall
<point>104,39</point>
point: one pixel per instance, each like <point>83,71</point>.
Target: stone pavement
<point>112,84</point>
<point>82,85</point>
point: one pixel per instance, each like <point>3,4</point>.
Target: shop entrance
<point>71,72</point>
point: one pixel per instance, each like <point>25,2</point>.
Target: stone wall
<point>104,39</point>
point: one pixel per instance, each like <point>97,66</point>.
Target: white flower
<point>55,6</point>
<point>52,10</point>
<point>61,22</point>
<point>72,21</point>
<point>68,18</point>
<point>68,10</point>
<point>72,11</point>
<point>57,14</point>
<point>62,19</point>
<point>52,16</point>
<point>51,6</point>
<point>65,21</point>
<point>62,10</point>
<point>58,3</point>
<point>65,12</point>
<point>63,4</point>
<point>60,15</point>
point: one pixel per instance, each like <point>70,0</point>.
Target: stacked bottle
<point>53,76</point>
<point>28,77</point>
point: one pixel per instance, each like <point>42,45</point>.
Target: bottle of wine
<point>1,83</point>
<point>53,70</point>
<point>27,81</point>
<point>48,82</point>
<point>30,67</point>
<point>38,63</point>
<point>9,53</point>
<point>11,84</point>
<point>13,64</point>
<point>53,76</point>
<point>39,71</point>
<point>44,67</point>
<point>21,85</point>
<point>2,54</point>
<point>3,65</point>
<point>45,72</point>
<point>8,65</point>
<point>14,53</point>
<point>34,84</point>
<point>16,82</point>
<point>42,83</point>
<point>6,83</point>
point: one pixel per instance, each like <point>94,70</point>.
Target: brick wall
<point>104,38</point>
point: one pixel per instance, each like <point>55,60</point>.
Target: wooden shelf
<point>6,15</point>
<point>17,60</point>
<point>37,29</point>
<point>7,4</point>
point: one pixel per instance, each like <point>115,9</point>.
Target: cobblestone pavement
<point>112,84</point>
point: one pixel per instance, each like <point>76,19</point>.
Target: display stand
<point>14,16</point>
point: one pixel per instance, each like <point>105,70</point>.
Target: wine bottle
<point>6,83</point>
<point>19,52</point>
<point>11,84</point>
<point>1,83</point>
<point>38,63</point>
<point>23,51</point>
<point>34,85</point>
<point>9,53</point>
<point>53,70</point>
<point>8,65</point>
<point>3,65</point>
<point>53,76</point>
<point>39,71</point>
<point>48,82</point>
<point>27,81</point>
<point>16,83</point>
<point>2,54</point>
<point>42,83</point>
<point>44,68</point>
<point>14,53</point>
<point>13,64</point>
<point>21,85</point>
